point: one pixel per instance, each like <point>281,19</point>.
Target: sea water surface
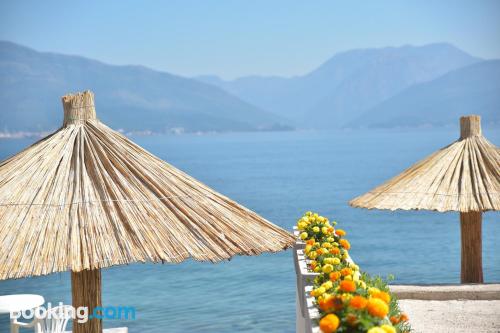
<point>280,176</point>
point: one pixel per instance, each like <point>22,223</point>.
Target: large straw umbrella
<point>463,177</point>
<point>86,198</point>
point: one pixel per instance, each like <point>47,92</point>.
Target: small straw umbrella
<point>86,198</point>
<point>463,177</point>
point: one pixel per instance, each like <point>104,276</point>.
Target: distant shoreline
<point>13,135</point>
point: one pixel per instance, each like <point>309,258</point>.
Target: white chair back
<point>56,320</point>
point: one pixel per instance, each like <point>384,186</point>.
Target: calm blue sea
<point>281,175</point>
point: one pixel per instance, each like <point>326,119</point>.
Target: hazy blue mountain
<point>474,89</point>
<point>347,84</point>
<point>132,98</point>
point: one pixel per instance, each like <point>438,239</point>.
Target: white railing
<point>307,313</point>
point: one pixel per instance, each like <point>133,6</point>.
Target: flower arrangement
<point>348,300</point>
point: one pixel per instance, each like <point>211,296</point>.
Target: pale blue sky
<point>235,38</point>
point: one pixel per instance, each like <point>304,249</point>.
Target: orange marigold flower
<point>403,317</point>
<point>345,271</point>
<point>319,251</point>
<point>358,302</point>
<point>340,232</point>
<point>326,303</point>
<point>383,296</point>
<point>345,244</point>
<point>347,286</point>
<point>334,250</point>
<point>310,242</point>
<point>329,323</point>
<point>394,320</point>
<point>377,308</point>
<point>330,230</point>
<point>334,276</point>
<point>330,303</point>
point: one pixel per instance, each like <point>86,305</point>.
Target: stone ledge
<point>446,292</point>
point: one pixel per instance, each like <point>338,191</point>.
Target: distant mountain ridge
<point>348,84</point>
<point>473,89</point>
<point>132,98</point>
<point>406,86</point>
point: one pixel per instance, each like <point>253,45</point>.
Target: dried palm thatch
<point>86,197</point>
<point>463,177</point>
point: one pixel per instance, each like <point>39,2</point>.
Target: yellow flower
<point>303,235</point>
<point>376,330</point>
<point>327,285</point>
<point>355,267</point>
<point>313,255</point>
<point>346,297</point>
<point>348,277</point>
<point>307,249</point>
<point>373,290</point>
<point>362,284</point>
<point>327,268</point>
<point>388,328</point>
<point>324,230</point>
<point>320,291</point>
<point>316,229</point>
<point>302,225</point>
<point>317,269</point>
<point>330,240</point>
<point>326,245</point>
<point>335,261</point>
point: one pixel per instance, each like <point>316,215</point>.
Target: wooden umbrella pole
<point>472,263</point>
<point>86,291</point>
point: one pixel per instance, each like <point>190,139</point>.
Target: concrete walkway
<point>452,308</point>
<point>453,316</point>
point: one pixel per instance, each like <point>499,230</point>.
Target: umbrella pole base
<point>86,292</point>
<point>472,263</point>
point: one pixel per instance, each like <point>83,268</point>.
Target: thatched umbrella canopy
<point>463,177</point>
<point>86,197</point>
